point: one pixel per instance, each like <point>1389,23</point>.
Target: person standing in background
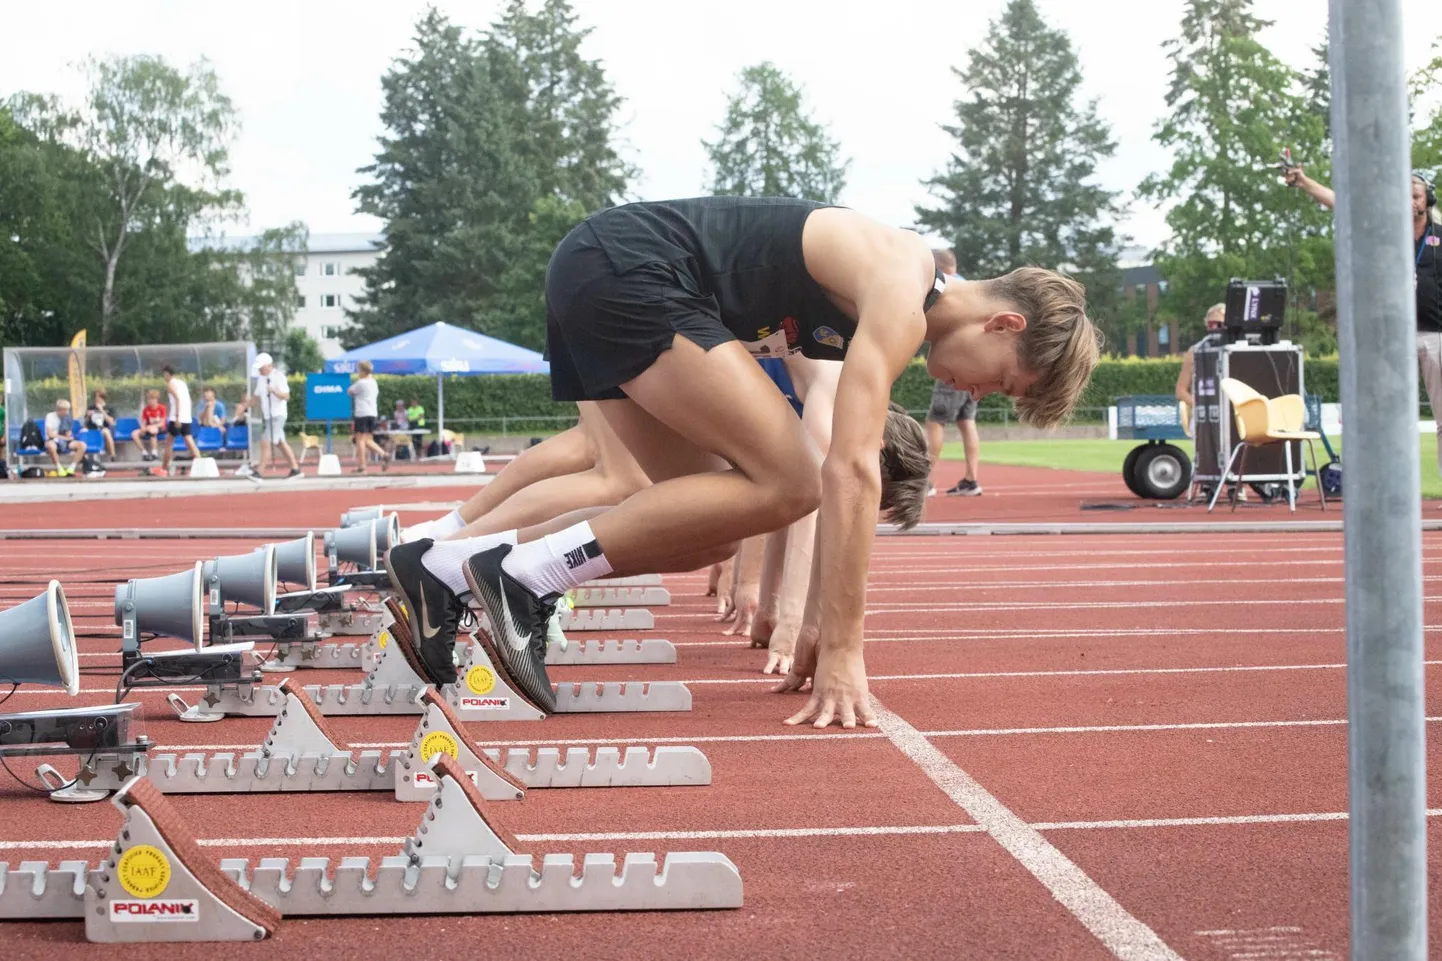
<point>179,418</point>
<point>365,393</point>
<point>270,396</point>
<point>1426,282</point>
<point>950,405</point>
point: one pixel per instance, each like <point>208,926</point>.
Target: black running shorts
<point>604,329</point>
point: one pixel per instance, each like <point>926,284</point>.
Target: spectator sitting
<point>399,420</point>
<point>97,417</point>
<point>212,411</point>
<point>59,428</point>
<point>152,423</point>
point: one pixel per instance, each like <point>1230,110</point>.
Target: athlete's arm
<point>885,274</point>
<point>1184,380</point>
<point>816,382</point>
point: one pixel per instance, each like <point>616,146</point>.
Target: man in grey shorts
<point>950,405</point>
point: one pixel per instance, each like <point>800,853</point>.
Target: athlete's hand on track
<point>838,690</point>
<point>745,601</point>
<point>713,579</point>
<point>764,626</point>
<point>782,648</point>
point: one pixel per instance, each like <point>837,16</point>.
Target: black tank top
<point>745,253</point>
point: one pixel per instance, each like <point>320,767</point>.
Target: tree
<point>300,353</point>
<point>47,285</point>
<point>486,139</point>
<point>768,145</point>
<point>570,106</point>
<point>1233,106</point>
<point>1020,188</point>
<point>157,136</point>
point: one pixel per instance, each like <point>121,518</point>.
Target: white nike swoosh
<point>517,642</point>
<point>426,629</point>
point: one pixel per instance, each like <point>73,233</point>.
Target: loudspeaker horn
<point>354,545</point>
<point>248,578</point>
<point>388,533</point>
<point>37,643</point>
<point>359,516</point>
<point>295,561</point>
<point>173,605</point>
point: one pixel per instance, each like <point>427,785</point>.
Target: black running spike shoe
<point>432,609</point>
<point>518,623</point>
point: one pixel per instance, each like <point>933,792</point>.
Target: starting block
<point>602,619</point>
<point>301,754</point>
<point>606,596</point>
<point>440,730</point>
<point>396,682</point>
<point>460,860</point>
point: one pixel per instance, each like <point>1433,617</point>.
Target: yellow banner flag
<point>77,375</point>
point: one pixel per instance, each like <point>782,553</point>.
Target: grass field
<point>1106,456</point>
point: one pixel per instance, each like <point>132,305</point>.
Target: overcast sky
<point>305,75</point>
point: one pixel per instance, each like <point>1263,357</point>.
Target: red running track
<point>1012,494</point>
<point>1169,728</point>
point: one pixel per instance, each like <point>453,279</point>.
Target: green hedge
<point>529,395</point>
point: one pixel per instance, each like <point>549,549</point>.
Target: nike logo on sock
<point>575,558</point>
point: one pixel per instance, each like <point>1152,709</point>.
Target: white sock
<point>445,558</point>
<point>557,562</point>
<point>437,529</point>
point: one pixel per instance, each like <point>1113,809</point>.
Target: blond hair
<point>364,367</point>
<point>905,468</point>
<point>1060,344</point>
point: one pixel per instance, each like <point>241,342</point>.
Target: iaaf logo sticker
<point>179,909</point>
<point>486,703</point>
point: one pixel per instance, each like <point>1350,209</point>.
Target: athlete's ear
<point>1006,321</point>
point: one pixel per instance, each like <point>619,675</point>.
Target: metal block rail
<point>458,861</point>
<point>620,597</point>
<point>481,694</point>
<point>606,619</point>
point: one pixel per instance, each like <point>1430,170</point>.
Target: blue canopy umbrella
<point>441,349</point>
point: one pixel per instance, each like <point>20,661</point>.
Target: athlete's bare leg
<point>689,415</point>
<point>612,477</point>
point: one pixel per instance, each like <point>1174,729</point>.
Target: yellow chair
<point>1262,421</point>
<point>308,443</point>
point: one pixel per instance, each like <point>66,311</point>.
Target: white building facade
<point>327,281</point>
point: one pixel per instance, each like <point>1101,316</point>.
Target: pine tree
<point>768,145</point>
<point>487,139</point>
<point>1020,188</point>
<point>1233,107</point>
<point>449,183</point>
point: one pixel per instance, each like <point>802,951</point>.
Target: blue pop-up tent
<point>441,349</point>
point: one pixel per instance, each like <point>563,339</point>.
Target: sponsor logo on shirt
<point>829,337</point>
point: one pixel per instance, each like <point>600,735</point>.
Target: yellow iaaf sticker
<point>480,680</point>
<point>437,742</point>
<point>383,638</point>
<point>143,871</point>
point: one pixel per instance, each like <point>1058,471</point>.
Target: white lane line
<point>850,735</point>
<point>1125,936</point>
<point>957,676</point>
<point>812,832</point>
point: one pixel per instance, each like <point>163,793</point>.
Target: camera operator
<point>1427,282</point>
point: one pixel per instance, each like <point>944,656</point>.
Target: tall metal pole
<point>1382,509</point>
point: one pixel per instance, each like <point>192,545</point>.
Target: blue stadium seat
<point>209,438</point>
<point>237,437</point>
<point>124,427</point>
<point>92,439</point>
